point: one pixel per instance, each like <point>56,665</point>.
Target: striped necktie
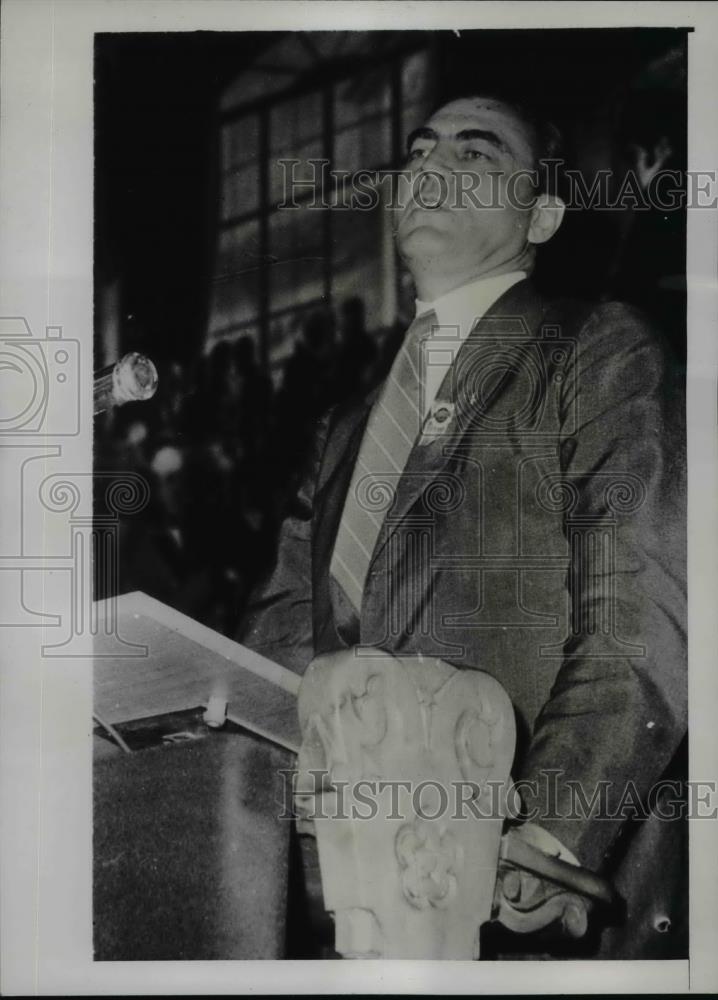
<point>390,435</point>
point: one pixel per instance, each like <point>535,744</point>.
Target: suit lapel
<point>471,389</point>
<point>345,435</point>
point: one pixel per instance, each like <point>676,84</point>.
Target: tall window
<point>273,263</point>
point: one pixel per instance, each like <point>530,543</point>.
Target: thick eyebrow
<point>477,133</point>
<point>420,133</point>
<point>463,136</point>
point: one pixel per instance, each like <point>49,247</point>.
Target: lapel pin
<point>438,421</point>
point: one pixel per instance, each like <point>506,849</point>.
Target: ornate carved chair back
<point>403,771</point>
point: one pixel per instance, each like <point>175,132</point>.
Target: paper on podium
<point>182,666</point>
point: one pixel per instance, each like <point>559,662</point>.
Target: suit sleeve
<point>278,619</point>
<point>618,707</point>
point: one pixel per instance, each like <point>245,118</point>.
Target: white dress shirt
<point>457,313</point>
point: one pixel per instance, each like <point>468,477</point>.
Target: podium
<point>190,852</point>
<point>195,740</point>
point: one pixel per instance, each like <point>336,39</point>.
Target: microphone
<point>131,379</point>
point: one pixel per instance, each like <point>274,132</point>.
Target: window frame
<point>324,81</point>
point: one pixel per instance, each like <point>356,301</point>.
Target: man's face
<point>486,143</point>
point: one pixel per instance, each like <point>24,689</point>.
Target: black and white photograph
<point>367,553</point>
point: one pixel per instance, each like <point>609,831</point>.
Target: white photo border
<point>46,183</point>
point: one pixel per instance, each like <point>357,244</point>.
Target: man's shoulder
<point>572,315</point>
<point>607,328</point>
<point>590,313</point>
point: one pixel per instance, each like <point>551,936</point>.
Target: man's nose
<point>437,160</point>
<point>432,177</point>
<point>431,183</point>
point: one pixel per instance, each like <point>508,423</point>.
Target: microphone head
<point>134,377</point>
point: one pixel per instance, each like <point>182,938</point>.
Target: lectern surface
<point>190,853</point>
<point>170,662</point>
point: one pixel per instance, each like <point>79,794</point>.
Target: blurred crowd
<point>221,447</point>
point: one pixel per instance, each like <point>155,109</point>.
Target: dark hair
<point>544,135</point>
<point>546,142</point>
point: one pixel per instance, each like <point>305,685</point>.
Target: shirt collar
<point>462,306</point>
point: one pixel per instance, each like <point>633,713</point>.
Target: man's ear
<point>546,217</point>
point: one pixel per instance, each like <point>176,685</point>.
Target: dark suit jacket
<point>540,538</point>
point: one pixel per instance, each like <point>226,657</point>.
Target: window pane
<point>297,256</point>
<point>361,96</point>
<point>294,122</point>
<point>240,191</point>
<point>235,290</point>
<point>285,180</point>
<point>416,77</point>
<point>357,263</point>
<point>240,141</point>
<point>363,146</point>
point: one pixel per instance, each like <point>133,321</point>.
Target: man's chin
<point>425,239</point>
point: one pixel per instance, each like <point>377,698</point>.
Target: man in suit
<point>512,499</point>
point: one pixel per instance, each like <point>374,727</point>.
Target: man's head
<point>476,159</point>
